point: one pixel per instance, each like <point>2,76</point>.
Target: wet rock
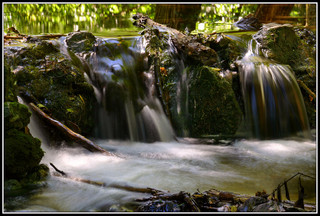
<point>248,23</point>
<point>49,79</point>
<point>81,41</point>
<point>10,87</point>
<point>227,49</point>
<point>250,204</point>
<point>160,206</point>
<point>226,196</point>
<point>278,42</point>
<point>22,154</point>
<point>16,116</point>
<point>212,104</point>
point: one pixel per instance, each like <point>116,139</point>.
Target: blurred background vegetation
<point>115,19</point>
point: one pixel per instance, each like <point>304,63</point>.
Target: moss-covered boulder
<point>16,116</point>
<point>80,41</point>
<point>212,105</point>
<point>197,100</point>
<point>22,154</point>
<point>49,79</point>
<point>10,87</point>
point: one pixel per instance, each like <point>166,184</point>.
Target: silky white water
<point>242,167</point>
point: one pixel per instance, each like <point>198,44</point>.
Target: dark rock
<point>22,154</point>
<point>160,206</point>
<point>52,81</point>
<point>80,41</point>
<point>250,204</point>
<point>270,206</point>
<point>212,104</point>
<point>248,23</point>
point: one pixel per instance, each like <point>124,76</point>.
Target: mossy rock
<point>22,154</point>
<point>227,49</point>
<point>10,88</point>
<point>80,41</point>
<point>212,104</point>
<point>35,54</point>
<point>16,116</point>
<point>279,43</point>
<point>60,87</point>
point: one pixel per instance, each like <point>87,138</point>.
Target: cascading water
<point>127,107</point>
<point>129,110</point>
<point>273,101</point>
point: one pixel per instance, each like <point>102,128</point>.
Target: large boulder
<point>212,105</point>
<point>196,98</point>
<point>49,78</point>
<point>23,154</point>
<point>80,41</point>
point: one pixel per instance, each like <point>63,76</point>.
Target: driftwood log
<point>185,44</point>
<point>77,138</point>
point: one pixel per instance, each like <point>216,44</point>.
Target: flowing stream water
<point>182,164</point>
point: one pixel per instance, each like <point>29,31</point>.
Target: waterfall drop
<point>127,107</point>
<point>273,101</point>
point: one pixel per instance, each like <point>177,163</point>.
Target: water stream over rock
<point>130,122</point>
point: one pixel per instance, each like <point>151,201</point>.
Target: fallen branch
<point>77,138</point>
<point>113,185</point>
<point>182,42</point>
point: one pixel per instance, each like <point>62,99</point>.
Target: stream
<point>244,166</point>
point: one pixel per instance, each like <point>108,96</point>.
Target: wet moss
<point>22,154</point>
<point>80,41</point>
<point>16,116</point>
<point>60,88</point>
<point>10,86</point>
<point>212,104</point>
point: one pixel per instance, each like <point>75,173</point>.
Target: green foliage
<point>65,18</point>
<point>213,16</point>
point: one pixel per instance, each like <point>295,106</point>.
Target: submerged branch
<point>299,202</point>
<point>113,185</point>
<point>77,138</point>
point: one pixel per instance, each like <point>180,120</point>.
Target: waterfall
<point>274,105</point>
<point>127,107</point>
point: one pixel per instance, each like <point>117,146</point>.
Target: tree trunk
<point>267,13</point>
<point>178,16</point>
